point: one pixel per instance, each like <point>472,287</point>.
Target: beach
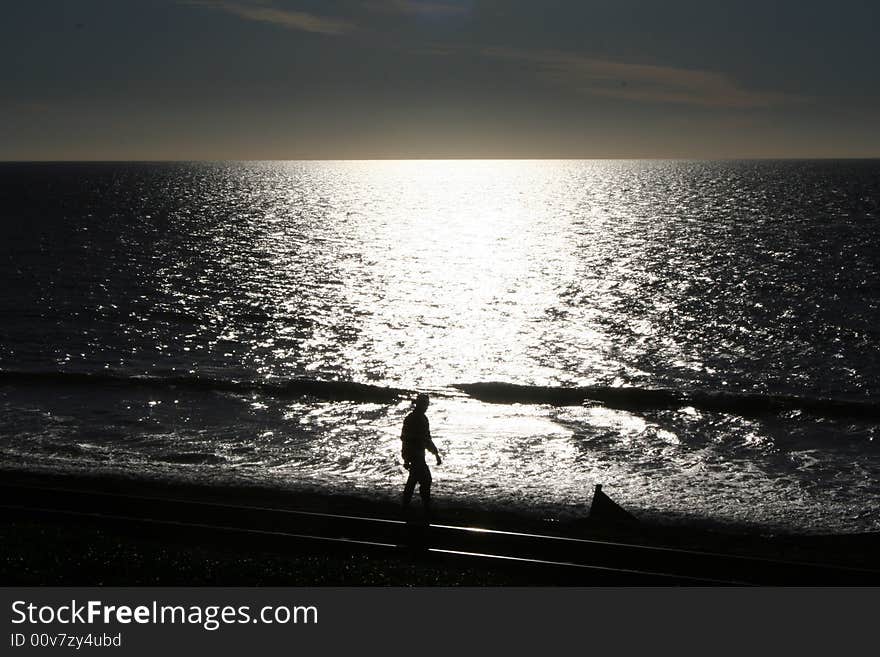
<point>81,530</point>
<point>698,337</point>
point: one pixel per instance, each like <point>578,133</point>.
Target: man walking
<point>416,438</point>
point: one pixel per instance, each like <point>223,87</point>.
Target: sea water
<point>203,321</point>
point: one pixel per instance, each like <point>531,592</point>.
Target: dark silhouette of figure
<point>416,438</point>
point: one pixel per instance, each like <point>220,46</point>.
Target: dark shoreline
<point>85,549</point>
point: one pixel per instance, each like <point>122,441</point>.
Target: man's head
<point>421,402</point>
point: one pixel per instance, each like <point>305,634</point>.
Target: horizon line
<point>447,159</point>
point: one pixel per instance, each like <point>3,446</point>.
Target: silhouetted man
<point>416,437</point>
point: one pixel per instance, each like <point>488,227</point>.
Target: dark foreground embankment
<point>79,530</point>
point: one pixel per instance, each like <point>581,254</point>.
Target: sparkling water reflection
<point>743,276</point>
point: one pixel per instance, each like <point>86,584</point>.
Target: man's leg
<point>410,485</point>
<point>425,487</point>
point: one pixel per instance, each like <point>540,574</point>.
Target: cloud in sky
<point>414,7</point>
<point>294,20</point>
<point>262,11</point>
<point>641,82</point>
<point>647,83</point>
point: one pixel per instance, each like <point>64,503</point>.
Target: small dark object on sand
<point>607,511</point>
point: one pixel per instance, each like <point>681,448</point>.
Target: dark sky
<point>291,79</point>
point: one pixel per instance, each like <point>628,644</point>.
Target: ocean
<point>240,323</point>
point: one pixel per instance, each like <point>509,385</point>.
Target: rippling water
<point>756,278</point>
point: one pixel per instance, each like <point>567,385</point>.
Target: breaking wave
<point>334,390</point>
<point>625,398</point>
<point>652,398</point>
